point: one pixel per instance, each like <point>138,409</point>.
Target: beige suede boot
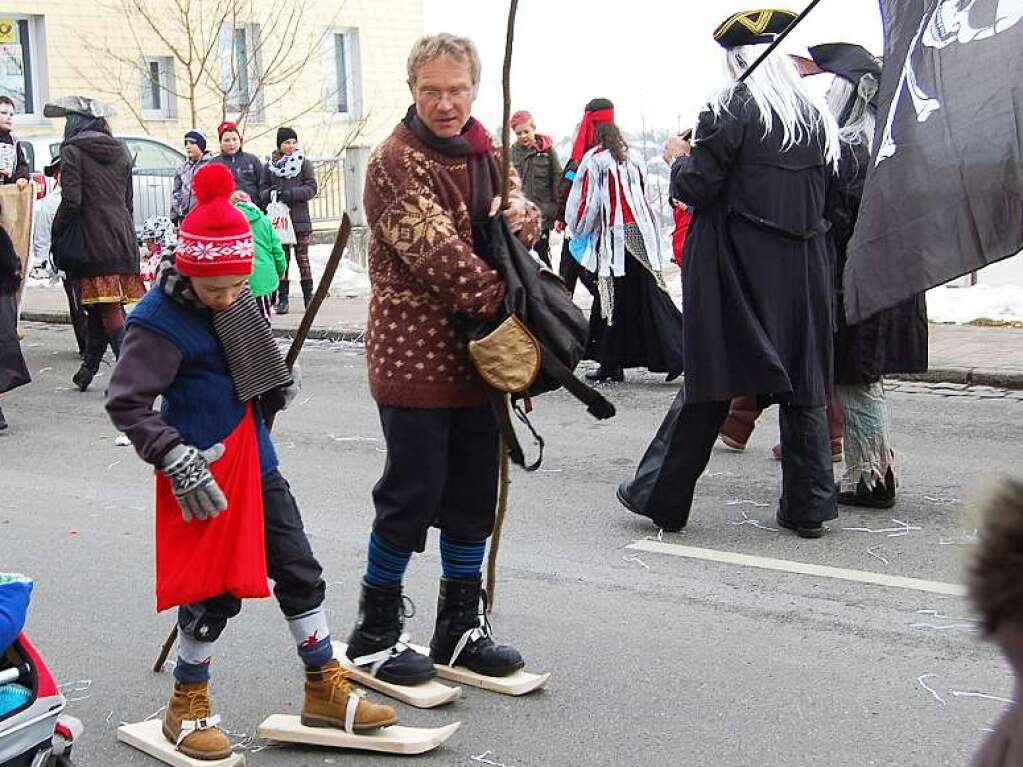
<point>331,701</point>
<point>190,725</point>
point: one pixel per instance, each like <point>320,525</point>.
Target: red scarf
<point>586,139</point>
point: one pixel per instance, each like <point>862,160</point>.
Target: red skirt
<point>226,555</point>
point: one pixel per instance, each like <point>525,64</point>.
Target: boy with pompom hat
<point>226,518</point>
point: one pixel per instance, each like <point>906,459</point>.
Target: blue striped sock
<point>387,563</point>
<point>461,560</point>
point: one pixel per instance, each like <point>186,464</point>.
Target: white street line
<point>801,568</point>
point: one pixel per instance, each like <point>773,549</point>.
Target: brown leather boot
<point>331,701</point>
<point>190,725</point>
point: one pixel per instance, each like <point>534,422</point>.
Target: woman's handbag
<point>68,246</point>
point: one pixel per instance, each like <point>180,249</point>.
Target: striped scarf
<point>253,357</point>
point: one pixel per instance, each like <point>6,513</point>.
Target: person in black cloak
<point>616,237</point>
<point>13,372</point>
<point>757,282</point>
<point>892,341</point>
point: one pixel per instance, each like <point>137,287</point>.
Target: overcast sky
<point>654,58</point>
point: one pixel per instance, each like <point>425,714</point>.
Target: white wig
<point>846,99</point>
<point>779,94</point>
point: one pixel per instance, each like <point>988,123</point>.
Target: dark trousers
<point>572,272</point>
<point>543,246</point>
<point>678,455</point>
<point>298,585</point>
<point>442,470</point>
<point>104,324</point>
<point>78,318</point>
<point>745,411</point>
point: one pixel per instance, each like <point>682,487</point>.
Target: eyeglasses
<point>436,94</point>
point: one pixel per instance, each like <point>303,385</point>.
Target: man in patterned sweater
<point>429,186</point>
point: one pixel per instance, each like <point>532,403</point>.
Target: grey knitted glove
<point>198,493</point>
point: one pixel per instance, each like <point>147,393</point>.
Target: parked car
<point>156,162</point>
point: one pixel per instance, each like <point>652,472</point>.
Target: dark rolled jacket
<point>247,171</point>
<point>297,192</point>
<point>96,187</point>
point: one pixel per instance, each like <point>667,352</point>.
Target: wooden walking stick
<point>502,501</point>
<point>343,234</point>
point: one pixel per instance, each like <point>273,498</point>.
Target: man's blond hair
<point>431,47</point>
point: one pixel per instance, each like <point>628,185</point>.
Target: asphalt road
<point>657,660</point>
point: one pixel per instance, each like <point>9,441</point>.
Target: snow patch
<point>350,281</point>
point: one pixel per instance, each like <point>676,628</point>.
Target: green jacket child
<point>270,263</point>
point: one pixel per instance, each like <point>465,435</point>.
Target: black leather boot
<point>378,644</point>
<point>463,636</point>
<point>282,298</point>
<point>307,292</point>
<point>94,350</point>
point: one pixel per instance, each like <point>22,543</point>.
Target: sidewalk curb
<point>999,379</point>
<point>335,334</point>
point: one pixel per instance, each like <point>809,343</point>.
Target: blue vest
<point>201,403</point>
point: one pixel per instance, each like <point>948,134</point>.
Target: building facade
<point>332,69</point>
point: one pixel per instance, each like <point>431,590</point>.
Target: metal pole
<point>781,37</point>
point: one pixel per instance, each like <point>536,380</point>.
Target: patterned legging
<point>301,255</point>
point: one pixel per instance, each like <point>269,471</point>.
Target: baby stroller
<point>35,732</point>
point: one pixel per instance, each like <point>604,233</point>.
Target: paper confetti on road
<point>931,690</point>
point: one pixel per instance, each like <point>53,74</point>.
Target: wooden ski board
<point>390,740</point>
<point>426,695</point>
<point>148,738</point>
<point>520,683</point>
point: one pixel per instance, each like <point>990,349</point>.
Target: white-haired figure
<point>892,341</point>
<point>757,281</point>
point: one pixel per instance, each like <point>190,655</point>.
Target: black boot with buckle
<point>378,643</point>
<point>463,636</point>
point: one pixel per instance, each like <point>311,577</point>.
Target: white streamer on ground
<point>982,695</point>
<point>115,463</point>
<point>891,532</point>
<point>967,539</point>
<point>637,560</point>
<point>746,501</point>
<point>482,759</point>
<point>748,520</point>
<point>877,556</point>
<point>931,690</point>
<point>943,501</point>
<point>352,439</point>
<point>76,691</point>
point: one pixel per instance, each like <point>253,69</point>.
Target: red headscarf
<point>586,138</point>
<point>520,117</point>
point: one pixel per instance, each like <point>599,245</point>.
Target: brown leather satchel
<point>507,358</point>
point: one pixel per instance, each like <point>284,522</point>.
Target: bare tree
<point>233,59</point>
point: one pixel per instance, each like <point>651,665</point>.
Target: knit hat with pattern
<point>215,239</point>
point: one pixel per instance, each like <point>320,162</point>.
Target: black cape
<point>893,340</point>
<point>757,269</point>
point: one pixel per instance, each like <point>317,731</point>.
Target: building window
<point>157,88</point>
<point>241,70</point>
<point>22,67</point>
<point>344,86</point>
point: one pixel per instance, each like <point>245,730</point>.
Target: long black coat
<point>757,275</point>
<point>96,185</point>
<point>892,341</point>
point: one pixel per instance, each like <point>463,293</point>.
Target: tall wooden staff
<point>502,500</point>
<point>343,234</point>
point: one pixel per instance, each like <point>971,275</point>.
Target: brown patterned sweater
<point>425,275</point>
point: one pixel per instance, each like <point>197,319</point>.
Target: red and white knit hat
<point>215,239</point>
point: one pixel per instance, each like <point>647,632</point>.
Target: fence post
<point>356,160</point>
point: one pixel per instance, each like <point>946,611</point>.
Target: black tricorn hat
<point>850,62</point>
<point>753,27</point>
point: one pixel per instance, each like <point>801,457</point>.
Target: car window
<point>152,159</point>
<point>29,152</point>
<point>54,151</point>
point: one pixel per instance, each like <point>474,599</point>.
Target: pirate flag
<point>944,195</point>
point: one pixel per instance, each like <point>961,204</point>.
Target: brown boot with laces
<point>190,725</point>
<point>331,701</point>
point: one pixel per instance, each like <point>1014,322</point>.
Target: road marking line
<point>801,568</point>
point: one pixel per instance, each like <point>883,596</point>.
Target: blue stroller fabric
<point>15,592</point>
<point>13,697</point>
